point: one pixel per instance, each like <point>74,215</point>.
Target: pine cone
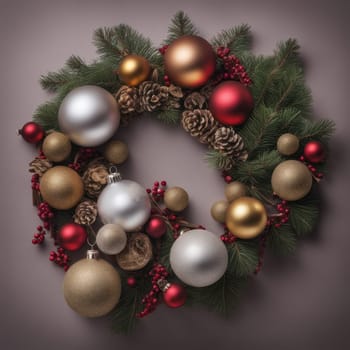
<point>85,213</point>
<point>229,143</point>
<point>200,123</point>
<point>194,100</point>
<point>129,104</point>
<point>95,179</point>
<point>152,95</point>
<point>39,166</point>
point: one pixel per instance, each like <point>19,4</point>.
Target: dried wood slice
<point>137,253</point>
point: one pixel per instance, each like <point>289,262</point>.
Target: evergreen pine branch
<point>243,257</point>
<point>168,116</point>
<point>216,160</point>
<point>221,296</point>
<point>52,81</point>
<point>320,130</point>
<point>46,115</point>
<point>75,63</point>
<point>180,25</point>
<point>238,39</point>
<point>166,244</point>
<point>303,214</point>
<point>282,240</point>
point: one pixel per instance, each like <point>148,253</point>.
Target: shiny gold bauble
<point>61,187</point>
<point>287,144</point>
<point>116,152</point>
<point>246,217</point>
<point>218,211</point>
<point>235,190</point>
<point>56,147</point>
<point>291,180</point>
<point>189,61</point>
<point>176,198</point>
<point>133,70</point>
<point>92,286</point>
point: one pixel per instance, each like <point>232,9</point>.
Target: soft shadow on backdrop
<point>297,303</point>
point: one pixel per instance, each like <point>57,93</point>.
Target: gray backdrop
<point>300,302</point>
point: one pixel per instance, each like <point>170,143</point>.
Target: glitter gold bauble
<point>57,147</point>
<point>176,198</point>
<point>116,152</point>
<point>189,61</point>
<point>235,190</point>
<point>133,70</point>
<point>92,286</point>
<point>246,217</point>
<point>218,210</point>
<point>287,144</point>
<point>291,180</point>
<point>61,187</point>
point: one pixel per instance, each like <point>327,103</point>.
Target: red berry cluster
<point>84,155</point>
<point>157,191</point>
<point>60,258</point>
<point>35,182</point>
<point>162,50</point>
<point>45,214</point>
<point>151,300</point>
<point>261,254</point>
<point>313,170</point>
<point>39,236</point>
<point>227,178</point>
<point>283,214</point>
<point>233,69</point>
<point>228,237</point>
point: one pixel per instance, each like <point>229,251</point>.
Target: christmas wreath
<point>252,111</point>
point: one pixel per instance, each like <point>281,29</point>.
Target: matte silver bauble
<point>198,258</point>
<point>89,115</point>
<point>124,202</point>
<point>111,239</point>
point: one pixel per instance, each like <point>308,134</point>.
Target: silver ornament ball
<point>111,239</point>
<point>198,258</point>
<point>89,115</point>
<point>125,203</point>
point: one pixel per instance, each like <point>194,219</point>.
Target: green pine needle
<point>282,240</point>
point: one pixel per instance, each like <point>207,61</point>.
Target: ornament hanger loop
<point>92,245</point>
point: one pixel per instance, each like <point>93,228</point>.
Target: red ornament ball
<point>231,103</point>
<point>175,296</point>
<point>72,236</point>
<point>156,227</point>
<point>314,152</point>
<point>32,132</point>
<point>131,281</point>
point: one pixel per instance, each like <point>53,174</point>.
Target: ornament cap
<point>92,254</point>
<point>163,285</point>
<point>114,175</point>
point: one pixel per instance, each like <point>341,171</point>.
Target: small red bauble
<point>231,103</point>
<point>72,236</point>
<point>131,281</point>
<point>32,132</point>
<point>175,295</point>
<point>314,152</point>
<point>156,227</point>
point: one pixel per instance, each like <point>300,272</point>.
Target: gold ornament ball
<point>291,180</point>
<point>133,70</point>
<point>246,217</point>
<point>218,210</point>
<point>176,198</point>
<point>92,286</point>
<point>235,190</point>
<point>287,144</point>
<point>116,152</point>
<point>190,61</point>
<point>56,147</point>
<point>61,187</point>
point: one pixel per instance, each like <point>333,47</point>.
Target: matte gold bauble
<point>218,210</point>
<point>287,144</point>
<point>92,286</point>
<point>133,70</point>
<point>246,217</point>
<point>61,187</point>
<point>189,61</point>
<point>235,190</point>
<point>291,180</point>
<point>116,152</point>
<point>176,198</point>
<point>57,146</point>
